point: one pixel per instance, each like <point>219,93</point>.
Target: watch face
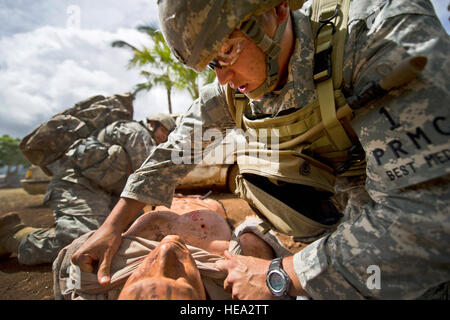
<point>276,281</point>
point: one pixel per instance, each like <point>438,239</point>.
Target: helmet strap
<point>271,47</point>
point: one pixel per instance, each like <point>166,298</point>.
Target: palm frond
<point>166,70</point>
<point>123,44</point>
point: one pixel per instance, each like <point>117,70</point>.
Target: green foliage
<point>162,68</point>
<point>10,154</point>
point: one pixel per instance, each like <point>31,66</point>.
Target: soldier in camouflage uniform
<point>161,125</point>
<point>393,241</point>
<point>86,183</point>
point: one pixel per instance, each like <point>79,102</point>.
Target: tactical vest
<point>289,191</point>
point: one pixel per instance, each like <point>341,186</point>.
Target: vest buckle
<point>322,65</point>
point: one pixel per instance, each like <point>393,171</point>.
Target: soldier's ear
<point>282,11</point>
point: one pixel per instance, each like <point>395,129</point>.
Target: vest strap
<point>327,19</point>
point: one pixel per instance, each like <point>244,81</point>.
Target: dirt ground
<point>18,282</point>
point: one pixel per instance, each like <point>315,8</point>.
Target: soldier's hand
<point>246,277</point>
<point>99,249</point>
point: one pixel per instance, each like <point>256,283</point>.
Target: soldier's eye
<point>229,50</point>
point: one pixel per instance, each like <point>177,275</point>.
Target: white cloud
<point>19,16</point>
<point>51,68</point>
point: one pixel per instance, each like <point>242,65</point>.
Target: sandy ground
<point>19,282</point>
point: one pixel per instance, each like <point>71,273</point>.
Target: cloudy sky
<point>54,53</point>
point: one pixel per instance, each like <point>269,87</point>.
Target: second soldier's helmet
<point>195,30</point>
<point>165,120</point>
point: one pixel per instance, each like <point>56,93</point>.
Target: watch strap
<point>275,264</point>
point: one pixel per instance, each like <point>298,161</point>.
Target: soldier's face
<point>161,134</point>
<point>248,72</point>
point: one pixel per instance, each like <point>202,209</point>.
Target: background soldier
<point>88,176</point>
<point>161,125</point>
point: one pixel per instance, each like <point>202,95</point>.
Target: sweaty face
<point>248,70</point>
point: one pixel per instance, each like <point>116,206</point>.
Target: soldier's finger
<point>103,274</point>
<point>223,265</point>
<point>228,254</point>
<point>227,285</point>
<point>84,262</point>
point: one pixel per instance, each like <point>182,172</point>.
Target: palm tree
<point>169,72</point>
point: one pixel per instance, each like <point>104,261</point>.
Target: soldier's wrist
<point>295,289</point>
<point>122,214</point>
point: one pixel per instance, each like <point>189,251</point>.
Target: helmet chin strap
<point>271,47</point>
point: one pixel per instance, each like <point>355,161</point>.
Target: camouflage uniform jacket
<point>106,158</point>
<point>396,246</point>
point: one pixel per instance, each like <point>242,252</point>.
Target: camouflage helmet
<point>195,30</point>
<point>165,120</point>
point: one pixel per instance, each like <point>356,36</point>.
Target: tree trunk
<point>9,174</point>
<point>196,92</point>
<point>169,99</point>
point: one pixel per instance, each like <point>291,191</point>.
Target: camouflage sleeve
<point>397,246</point>
<point>155,181</point>
<point>133,137</point>
<point>106,166</point>
<point>395,249</point>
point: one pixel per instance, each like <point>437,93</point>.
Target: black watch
<point>277,280</point>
